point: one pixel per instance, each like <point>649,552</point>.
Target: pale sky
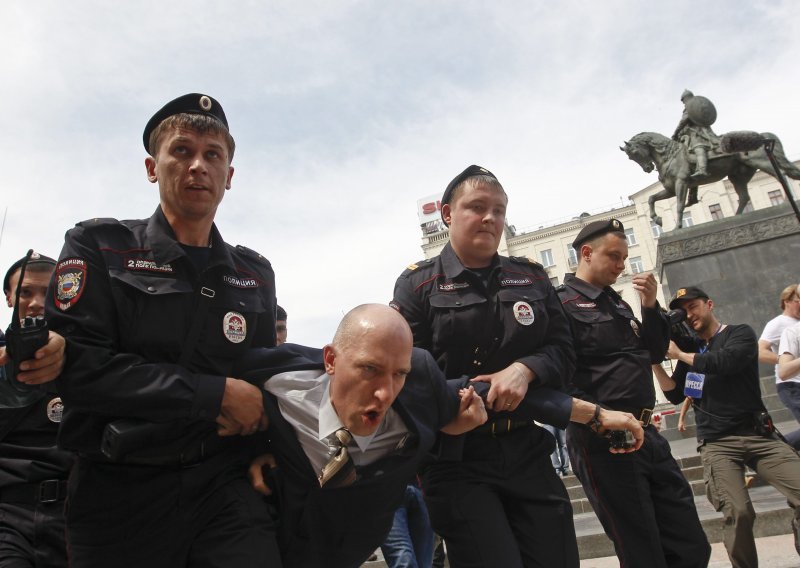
<point>346,112</point>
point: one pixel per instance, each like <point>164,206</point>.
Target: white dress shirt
<point>304,401</point>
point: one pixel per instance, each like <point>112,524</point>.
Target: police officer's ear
<point>710,304</point>
<point>447,212</point>
<point>150,166</point>
<point>586,251</point>
<point>230,177</point>
<point>329,358</point>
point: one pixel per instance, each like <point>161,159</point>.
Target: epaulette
<point>98,222</point>
<point>415,266</point>
<point>525,260</point>
<point>250,253</point>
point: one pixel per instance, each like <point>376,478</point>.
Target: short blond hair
<point>787,294</point>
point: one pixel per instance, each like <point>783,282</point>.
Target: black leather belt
<point>498,426</point>
<point>47,491</point>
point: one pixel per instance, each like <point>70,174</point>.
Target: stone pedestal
<point>742,262</point>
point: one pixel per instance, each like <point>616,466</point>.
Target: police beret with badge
<point>193,103</point>
<point>598,229</point>
<point>36,258</point>
<point>471,171</point>
<point>686,294</point>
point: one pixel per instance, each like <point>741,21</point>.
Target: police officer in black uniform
<point>33,471</point>
<point>155,312</point>
<point>642,499</point>
<point>493,494</point>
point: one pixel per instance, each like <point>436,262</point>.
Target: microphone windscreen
<point>741,141</point>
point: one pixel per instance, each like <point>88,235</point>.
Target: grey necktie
<point>340,470</point>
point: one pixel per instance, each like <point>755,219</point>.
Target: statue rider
<point>694,130</point>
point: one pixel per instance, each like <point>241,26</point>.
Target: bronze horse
<point>675,164</point>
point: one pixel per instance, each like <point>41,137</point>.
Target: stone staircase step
<point>773,518</point>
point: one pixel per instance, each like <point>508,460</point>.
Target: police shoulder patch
<point>71,276</point>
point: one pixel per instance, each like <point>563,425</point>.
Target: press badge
<point>694,385</point>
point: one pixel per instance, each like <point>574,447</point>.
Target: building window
<point>547,258</point>
<point>636,264</point>
<point>749,207</point>
<point>775,197</point>
<point>655,229</point>
<point>687,219</point>
<point>554,280</point>
<point>572,255</point>
<point>630,237</point>
<point>716,211</point>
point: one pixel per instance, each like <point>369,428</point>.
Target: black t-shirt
<point>731,391</point>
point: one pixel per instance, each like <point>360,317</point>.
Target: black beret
<point>36,258</point>
<point>685,294</point>
<point>193,103</point>
<point>597,229</point>
<point>468,173</point>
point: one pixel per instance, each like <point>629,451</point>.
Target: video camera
<point>680,332</point>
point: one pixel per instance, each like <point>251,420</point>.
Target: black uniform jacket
<point>332,528</point>
<point>126,296</point>
<point>472,329</point>
<point>614,349</point>
<point>28,452</point>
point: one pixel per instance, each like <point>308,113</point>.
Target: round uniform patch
<point>205,103</point>
<point>55,410</point>
<point>523,313</point>
<point>234,326</point>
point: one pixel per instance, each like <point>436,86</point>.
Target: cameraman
<point>33,470</point>
<point>733,427</point>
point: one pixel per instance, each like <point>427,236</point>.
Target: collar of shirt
<point>453,267</point>
<point>304,402</point>
<point>329,421</point>
<point>589,290</point>
<point>166,248</point>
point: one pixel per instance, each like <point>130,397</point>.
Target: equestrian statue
<point>693,157</point>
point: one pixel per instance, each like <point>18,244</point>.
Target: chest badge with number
<point>523,313</point>
<point>55,410</point>
<point>234,326</point>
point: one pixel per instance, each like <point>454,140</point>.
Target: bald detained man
<point>391,398</point>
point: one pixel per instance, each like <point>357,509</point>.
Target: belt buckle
<point>504,430</point>
<point>49,491</point>
<point>645,416</point>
